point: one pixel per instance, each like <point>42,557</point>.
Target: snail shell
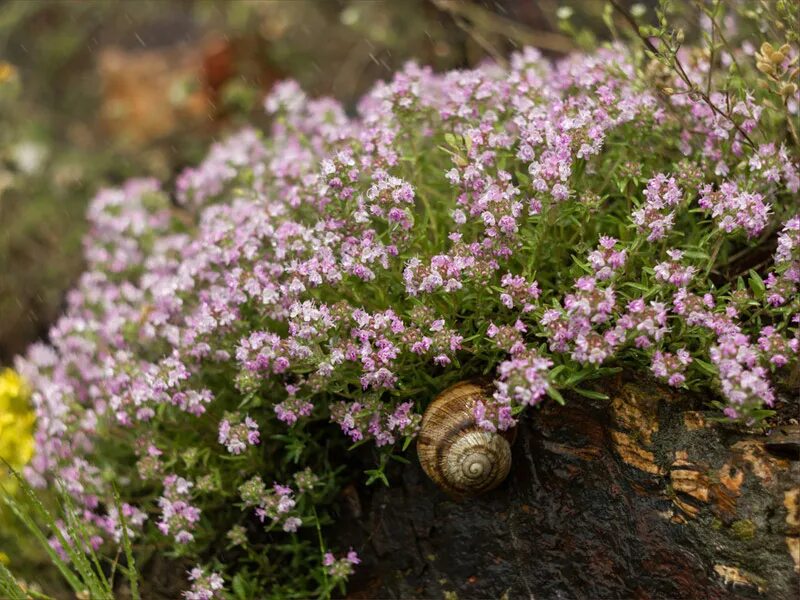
<point>456,453</point>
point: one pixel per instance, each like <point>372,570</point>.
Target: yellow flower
<point>16,424</point>
<point>11,385</point>
<point>7,71</point>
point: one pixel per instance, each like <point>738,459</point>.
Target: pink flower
<point>744,382</point>
<point>673,272</point>
<point>236,434</point>
<point>733,209</point>
<point>671,367</point>
<point>656,216</point>
<point>204,586</point>
<point>606,260</point>
<point>178,516</point>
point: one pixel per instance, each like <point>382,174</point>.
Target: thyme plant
<point>311,288</point>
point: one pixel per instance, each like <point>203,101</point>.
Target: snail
<point>455,452</point>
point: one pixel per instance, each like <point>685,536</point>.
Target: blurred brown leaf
<point>149,94</point>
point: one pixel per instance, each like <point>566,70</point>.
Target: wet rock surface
<point>640,496</point>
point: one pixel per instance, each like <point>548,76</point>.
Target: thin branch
<point>481,41</point>
<point>487,21</point>
<point>721,34</point>
<point>634,25</point>
<point>678,67</point>
<point>711,55</point>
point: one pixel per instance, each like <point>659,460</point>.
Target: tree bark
<point>641,496</point>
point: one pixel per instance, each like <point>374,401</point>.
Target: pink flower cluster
<point>573,328</point>
<point>340,568</point>
<point>784,282</point>
<point>520,292</point>
<point>236,433</point>
<point>508,337</point>
<point>776,349</point>
<point>365,418</point>
<point>788,251</point>
<point>205,586</point>
<point>744,381</point>
<point>776,166</point>
<point>646,322</point>
<point>734,209</point>
<point>293,407</point>
<point>222,165</point>
<point>277,503</point>
<point>608,258</point>
<point>673,271</point>
<point>522,381</point>
<point>134,519</point>
<point>656,217</point>
<point>178,516</point>
<point>671,367</point>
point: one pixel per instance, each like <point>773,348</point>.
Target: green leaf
<point>696,254</point>
<point>360,442</point>
<point>556,395</point>
<point>761,413</point>
<point>554,372</point>
<point>591,394</point>
<point>376,475</point>
<point>757,284</point>
<point>637,286</point>
<point>516,410</point>
<point>704,366</point>
<point>90,577</point>
<point>89,568</point>
<point>239,587</point>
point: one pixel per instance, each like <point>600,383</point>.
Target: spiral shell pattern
<point>457,454</point>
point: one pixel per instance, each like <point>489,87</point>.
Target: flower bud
<point>766,49</point>
<point>777,58</point>
<point>788,89</point>
<point>765,67</point>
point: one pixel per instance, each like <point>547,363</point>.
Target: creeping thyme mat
<point>313,288</point>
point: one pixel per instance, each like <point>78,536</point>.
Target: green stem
<point>544,221</point>
<point>714,253</point>
<point>327,591</point>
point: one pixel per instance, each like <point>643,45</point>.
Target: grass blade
<point>94,578</point>
<point>133,575</point>
<point>62,566</point>
<point>9,588</point>
<point>90,577</point>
